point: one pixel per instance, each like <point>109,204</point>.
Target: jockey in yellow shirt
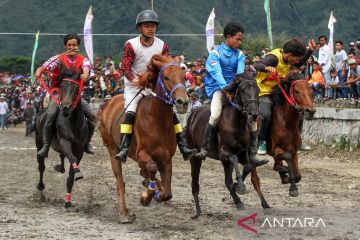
<point>277,64</point>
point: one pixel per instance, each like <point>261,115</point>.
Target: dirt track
<point>329,189</point>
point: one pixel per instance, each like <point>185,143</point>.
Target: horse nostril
<point>182,102</point>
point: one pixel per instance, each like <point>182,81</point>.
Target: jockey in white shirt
<point>137,54</point>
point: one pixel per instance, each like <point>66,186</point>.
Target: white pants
<point>130,92</point>
<point>217,103</point>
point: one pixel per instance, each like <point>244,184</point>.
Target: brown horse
<point>291,100</point>
<point>232,140</point>
<point>154,141</point>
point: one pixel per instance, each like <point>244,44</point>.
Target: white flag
<point>210,30</point>
<point>88,41</point>
<point>332,20</point>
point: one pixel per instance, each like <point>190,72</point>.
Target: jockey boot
<point>208,136</point>
<point>254,161</point>
<point>126,135</point>
<point>88,147</point>
<point>185,151</point>
<point>124,148</point>
<point>43,152</point>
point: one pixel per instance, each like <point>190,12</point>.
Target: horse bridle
<point>291,99</point>
<point>81,86</point>
<point>161,87</point>
<point>242,108</point>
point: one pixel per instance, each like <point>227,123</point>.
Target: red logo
<point>241,223</point>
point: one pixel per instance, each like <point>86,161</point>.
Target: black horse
<point>232,141</point>
<point>70,135</point>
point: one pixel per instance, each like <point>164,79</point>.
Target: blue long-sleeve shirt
<point>222,65</point>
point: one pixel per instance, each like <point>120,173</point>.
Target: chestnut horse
<point>232,140</point>
<point>154,141</point>
<point>291,100</point>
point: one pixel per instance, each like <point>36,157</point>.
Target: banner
<point>210,31</point>
<point>332,20</point>
<point>88,41</point>
<point>268,20</point>
<point>36,44</point>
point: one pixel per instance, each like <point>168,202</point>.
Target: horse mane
<point>149,77</point>
<point>277,95</point>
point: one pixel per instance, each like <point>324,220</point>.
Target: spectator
<point>316,82</point>
<point>351,47</point>
<point>4,109</point>
<point>195,103</point>
<point>341,66</point>
<point>332,85</point>
<point>309,68</point>
<point>354,79</point>
<point>324,58</point>
<point>357,50</point>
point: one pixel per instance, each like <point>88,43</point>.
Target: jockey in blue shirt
<point>223,64</point>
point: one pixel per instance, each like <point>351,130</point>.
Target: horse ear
<point>178,59</point>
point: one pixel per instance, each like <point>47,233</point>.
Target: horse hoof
<point>265,205</point>
<point>293,193</point>
<point>145,182</point>
<point>240,188</point>
<point>41,186</point>
<point>195,216</point>
<point>128,219</point>
<point>145,199</point>
<point>285,180</point>
<point>69,207</point>
<point>78,175</point>
<point>59,168</point>
<point>240,206</point>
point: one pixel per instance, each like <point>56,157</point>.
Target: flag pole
<point>268,20</point>
<point>36,44</point>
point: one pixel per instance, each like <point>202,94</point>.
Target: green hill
<point>176,16</point>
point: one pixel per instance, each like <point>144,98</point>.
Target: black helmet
<point>147,16</point>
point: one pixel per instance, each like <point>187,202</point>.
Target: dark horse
<point>232,141</point>
<point>291,100</point>
<point>69,136</point>
<point>154,141</point>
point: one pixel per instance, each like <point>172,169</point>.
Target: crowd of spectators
<point>340,80</point>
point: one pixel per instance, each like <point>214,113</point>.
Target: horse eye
<point>297,92</point>
<point>166,78</point>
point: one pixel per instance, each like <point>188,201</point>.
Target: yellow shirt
<point>266,83</point>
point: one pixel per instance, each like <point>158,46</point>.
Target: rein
<point>290,99</point>
<point>80,83</point>
<point>237,106</point>
<point>161,87</point>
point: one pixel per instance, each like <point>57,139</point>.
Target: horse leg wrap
<point>75,166</point>
<point>152,185</point>
<point>68,197</point>
<point>157,195</point>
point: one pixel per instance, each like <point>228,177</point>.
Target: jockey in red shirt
<point>137,54</point>
<point>73,66</point>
